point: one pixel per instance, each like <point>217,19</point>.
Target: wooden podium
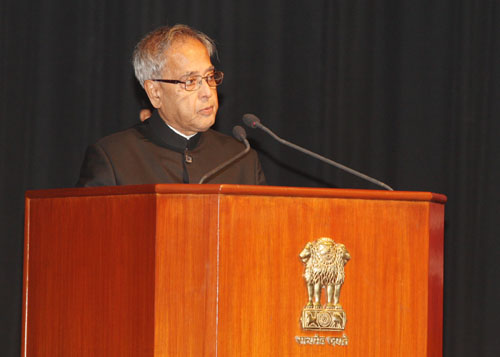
<point>214,270</point>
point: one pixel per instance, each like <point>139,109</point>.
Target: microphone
<point>253,122</point>
<point>241,135</point>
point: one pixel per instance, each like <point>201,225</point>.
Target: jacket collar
<point>162,135</point>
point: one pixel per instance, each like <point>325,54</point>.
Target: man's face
<point>187,111</point>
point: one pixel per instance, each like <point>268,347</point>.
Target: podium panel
<point>228,270</point>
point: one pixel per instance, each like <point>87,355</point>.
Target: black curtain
<point>405,91</point>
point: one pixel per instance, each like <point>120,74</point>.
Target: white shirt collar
<point>181,134</point>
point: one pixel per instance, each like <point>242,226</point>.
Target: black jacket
<point>151,152</point>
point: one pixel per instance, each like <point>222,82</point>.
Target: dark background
<point>406,91</point>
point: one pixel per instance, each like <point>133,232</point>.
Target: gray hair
<point>149,54</point>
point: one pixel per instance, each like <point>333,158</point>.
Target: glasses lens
<point>192,83</point>
<point>217,77</point>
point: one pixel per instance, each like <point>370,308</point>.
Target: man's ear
<point>153,91</point>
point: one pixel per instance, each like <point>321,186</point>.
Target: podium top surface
<point>238,190</point>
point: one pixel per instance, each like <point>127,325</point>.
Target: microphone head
<point>251,120</point>
<point>239,133</point>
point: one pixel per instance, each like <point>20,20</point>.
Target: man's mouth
<point>207,110</point>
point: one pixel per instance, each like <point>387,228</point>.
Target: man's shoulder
<point>126,136</point>
<point>247,169</point>
<point>216,141</point>
<point>223,139</point>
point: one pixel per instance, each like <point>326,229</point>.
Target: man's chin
<point>206,124</point>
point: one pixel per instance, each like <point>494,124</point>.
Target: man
<point>176,144</point>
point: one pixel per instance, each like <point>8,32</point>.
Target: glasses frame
<point>198,82</point>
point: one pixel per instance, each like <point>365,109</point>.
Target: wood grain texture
<point>386,293</point>
<point>186,275</point>
<point>89,277</point>
<point>238,190</point>
<point>213,270</point>
<point>436,279</point>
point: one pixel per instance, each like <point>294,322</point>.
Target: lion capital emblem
<point>324,262</point>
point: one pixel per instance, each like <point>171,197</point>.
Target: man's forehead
<point>188,56</point>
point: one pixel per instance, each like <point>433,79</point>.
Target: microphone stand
<point>254,122</point>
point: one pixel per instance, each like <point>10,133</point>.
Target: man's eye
<point>190,81</point>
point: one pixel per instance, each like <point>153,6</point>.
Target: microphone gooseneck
<point>241,135</point>
<point>253,122</point>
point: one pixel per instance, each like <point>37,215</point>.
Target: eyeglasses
<point>194,82</point>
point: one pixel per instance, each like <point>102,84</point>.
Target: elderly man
<point>176,144</point>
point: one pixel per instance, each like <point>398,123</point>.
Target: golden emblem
<point>324,262</point>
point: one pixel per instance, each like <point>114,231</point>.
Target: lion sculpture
<point>324,267</point>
